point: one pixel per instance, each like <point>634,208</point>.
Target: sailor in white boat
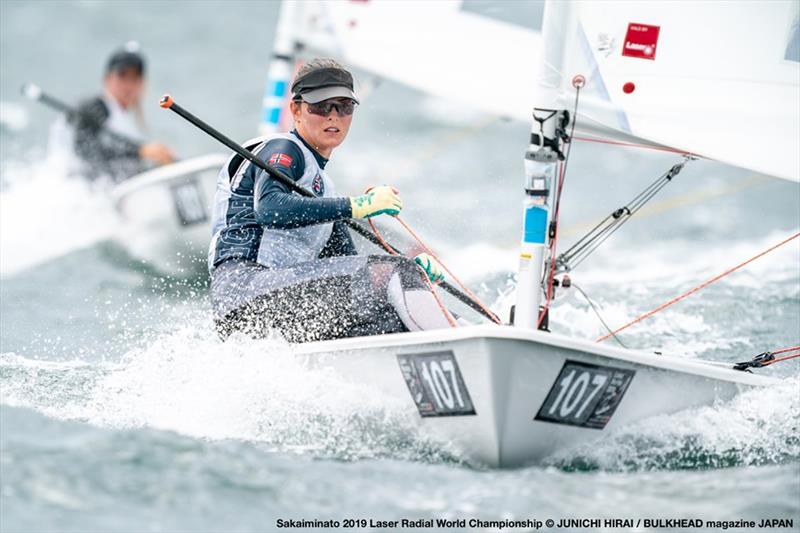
<point>286,262</point>
<point>104,135</point>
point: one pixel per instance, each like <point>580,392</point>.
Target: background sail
<point>720,80</point>
<point>434,47</point>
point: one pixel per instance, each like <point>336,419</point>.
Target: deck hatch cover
<point>435,383</point>
<point>585,395</point>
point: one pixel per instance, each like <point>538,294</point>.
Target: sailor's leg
<point>233,293</point>
<point>318,300</point>
<point>407,293</point>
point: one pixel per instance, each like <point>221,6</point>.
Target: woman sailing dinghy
<point>280,261</point>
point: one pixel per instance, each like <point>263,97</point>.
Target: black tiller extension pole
<point>167,102</point>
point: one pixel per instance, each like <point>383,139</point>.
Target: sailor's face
<point>125,86</point>
<point>323,132</point>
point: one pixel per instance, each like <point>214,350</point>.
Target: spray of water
<point>45,214</point>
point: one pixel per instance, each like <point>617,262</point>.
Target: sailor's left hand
<point>431,267</point>
<point>158,153</point>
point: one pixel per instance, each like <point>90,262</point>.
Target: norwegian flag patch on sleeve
<point>281,159</point>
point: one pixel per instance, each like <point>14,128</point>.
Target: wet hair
<point>318,63</point>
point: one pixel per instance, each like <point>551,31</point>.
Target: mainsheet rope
<point>697,288</point>
<point>779,359</point>
<point>786,357</point>
<point>430,252</point>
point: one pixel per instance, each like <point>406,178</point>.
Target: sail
<point>435,47</point>
<point>716,79</point>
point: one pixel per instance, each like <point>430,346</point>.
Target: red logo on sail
<point>641,41</point>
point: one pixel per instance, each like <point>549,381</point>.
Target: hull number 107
<point>435,383</point>
<point>585,395</point>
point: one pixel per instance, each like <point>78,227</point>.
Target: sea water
<point>120,409</point>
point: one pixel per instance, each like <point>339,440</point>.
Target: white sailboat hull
<point>166,214</point>
<point>518,396</point>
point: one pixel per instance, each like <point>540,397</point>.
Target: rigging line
<point>699,287</point>
<point>592,240</point>
<point>779,359</point>
<point>427,250</point>
<point>675,202</point>
<point>599,317</point>
<point>461,284</point>
<point>649,192</point>
<point>447,315</point>
<point>616,215</point>
<point>551,272</point>
<point>634,145</point>
<point>571,262</point>
<point>608,232</point>
<point>784,350</point>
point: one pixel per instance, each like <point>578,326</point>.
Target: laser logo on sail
<point>641,41</point>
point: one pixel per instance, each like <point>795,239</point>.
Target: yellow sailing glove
<point>376,201</point>
<point>431,267</point>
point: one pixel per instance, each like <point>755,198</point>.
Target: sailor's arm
<point>276,206</point>
<point>98,146</point>
<point>92,142</point>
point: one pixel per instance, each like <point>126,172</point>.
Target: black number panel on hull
<point>585,395</point>
<point>435,383</point>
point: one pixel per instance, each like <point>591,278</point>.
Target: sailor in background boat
<point>286,262</point>
<point>104,136</point>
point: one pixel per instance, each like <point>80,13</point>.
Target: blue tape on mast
<point>535,228</point>
<point>279,88</point>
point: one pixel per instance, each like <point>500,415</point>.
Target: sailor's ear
<point>295,108</point>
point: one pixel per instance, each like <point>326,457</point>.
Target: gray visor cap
<point>318,95</point>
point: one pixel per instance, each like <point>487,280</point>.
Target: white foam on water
<point>758,426</point>
<point>259,391</point>
<point>44,215</point>
<point>254,390</point>
<point>13,116</point>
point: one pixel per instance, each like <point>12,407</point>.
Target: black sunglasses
<point>343,107</point>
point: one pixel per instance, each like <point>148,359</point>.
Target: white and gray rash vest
<point>237,232</point>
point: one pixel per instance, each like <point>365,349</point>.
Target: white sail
<point>434,47</point>
<point>716,79</point>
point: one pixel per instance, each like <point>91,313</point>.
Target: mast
<point>280,69</point>
<point>541,162</point>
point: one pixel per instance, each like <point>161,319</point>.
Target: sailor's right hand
<point>376,201</point>
<point>157,153</point>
